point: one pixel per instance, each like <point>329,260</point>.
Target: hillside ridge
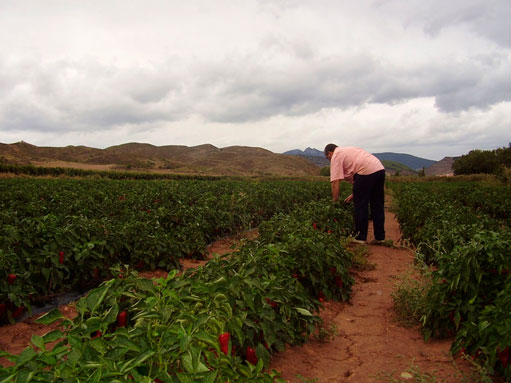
<point>200,159</point>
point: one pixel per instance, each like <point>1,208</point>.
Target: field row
<point>218,323</point>
<point>61,235</point>
<point>467,241</point>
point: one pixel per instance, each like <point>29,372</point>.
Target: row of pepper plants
<point>218,323</point>
<point>63,234</point>
<point>459,230</point>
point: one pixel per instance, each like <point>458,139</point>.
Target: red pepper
<point>315,225</point>
<point>121,319</point>
<point>505,357</point>
<point>321,296</point>
<point>333,270</point>
<point>11,278</point>
<point>339,282</point>
<point>451,317</point>
<point>223,339</point>
<point>272,303</point>
<point>18,312</point>
<point>251,355</point>
<point>96,334</point>
<point>61,257</point>
<point>296,275</point>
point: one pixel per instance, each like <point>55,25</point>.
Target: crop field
<point>463,231</point>
<point>218,323</point>
<point>223,321</point>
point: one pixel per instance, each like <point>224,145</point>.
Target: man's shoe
<point>361,241</point>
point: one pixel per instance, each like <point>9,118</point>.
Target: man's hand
<point>349,198</point>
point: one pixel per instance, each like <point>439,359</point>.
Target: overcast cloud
<point>429,78</point>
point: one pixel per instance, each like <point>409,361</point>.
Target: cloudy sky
<point>429,78</point>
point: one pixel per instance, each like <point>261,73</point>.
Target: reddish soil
<point>367,342</point>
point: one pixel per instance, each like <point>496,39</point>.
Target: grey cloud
<point>67,95</point>
<point>486,18</point>
<point>250,92</point>
<point>70,95</point>
<point>479,84</point>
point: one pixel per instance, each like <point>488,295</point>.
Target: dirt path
<point>368,341</point>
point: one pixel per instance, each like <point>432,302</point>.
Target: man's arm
<point>335,189</point>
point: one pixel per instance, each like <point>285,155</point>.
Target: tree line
<point>497,161</point>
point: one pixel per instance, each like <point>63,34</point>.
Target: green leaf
<point>200,367</point>
<point>46,273</point>
<point>209,378</point>
<point>25,376</point>
<point>187,362</point>
<point>263,354</point>
<point>53,336</point>
<point>9,378</point>
<point>99,345</point>
<point>111,315</point>
<point>207,338</point>
<point>27,355</point>
<point>50,317</point>
<point>184,378</point>
<point>96,296</point>
<point>93,324</point>
<point>49,360</point>
<point>304,311</point>
<point>74,357</point>
<point>144,284</point>
<point>141,359</point>
<point>184,342</point>
<point>122,342</point>
<point>38,341</point>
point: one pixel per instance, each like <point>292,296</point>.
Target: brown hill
<point>202,159</point>
<point>441,168</point>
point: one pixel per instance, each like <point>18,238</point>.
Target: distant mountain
<point>313,152</point>
<point>202,159</point>
<point>312,155</point>
<point>412,162</point>
<point>307,152</point>
<point>295,152</point>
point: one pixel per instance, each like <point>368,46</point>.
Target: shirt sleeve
<point>336,169</point>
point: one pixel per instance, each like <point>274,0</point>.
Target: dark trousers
<point>368,191</point>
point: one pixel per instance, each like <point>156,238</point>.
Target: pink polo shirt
<point>348,161</point>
